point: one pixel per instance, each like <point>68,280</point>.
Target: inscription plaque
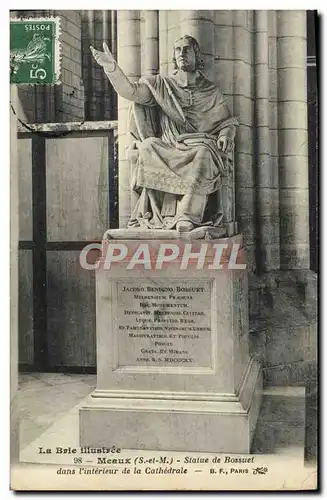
<point>163,323</point>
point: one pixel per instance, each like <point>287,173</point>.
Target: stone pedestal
<point>174,371</point>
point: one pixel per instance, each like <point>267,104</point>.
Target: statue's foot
<point>184,226</point>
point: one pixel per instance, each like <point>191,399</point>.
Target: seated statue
<point>183,131</point>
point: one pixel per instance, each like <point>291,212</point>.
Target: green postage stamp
<point>35,51</point>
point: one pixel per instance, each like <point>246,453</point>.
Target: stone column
<point>267,213</point>
<point>98,26</point>
<point>243,98</point>
<point>163,42</point>
<point>102,90</point>
<point>150,42</point>
<point>129,59</point>
<point>223,52</point>
<point>173,32</point>
<point>223,74</point>
<point>113,37</point>
<point>273,127</point>
<point>102,27</point>
<point>293,139</point>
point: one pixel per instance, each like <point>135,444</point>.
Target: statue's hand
<point>222,143</point>
<point>105,59</point>
<point>225,144</point>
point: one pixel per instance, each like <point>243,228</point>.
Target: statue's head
<point>187,55</point>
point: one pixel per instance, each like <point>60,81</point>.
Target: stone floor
<point>44,398</point>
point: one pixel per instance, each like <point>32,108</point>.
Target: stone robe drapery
<point>178,163</point>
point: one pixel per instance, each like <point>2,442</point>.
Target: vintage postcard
<point>164,249</point>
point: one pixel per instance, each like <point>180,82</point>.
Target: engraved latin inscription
<point>164,323</point>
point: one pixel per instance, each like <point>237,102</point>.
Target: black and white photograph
<point>164,250</point>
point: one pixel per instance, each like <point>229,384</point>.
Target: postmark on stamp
<point>35,51</point>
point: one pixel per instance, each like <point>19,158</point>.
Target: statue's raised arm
<point>136,92</point>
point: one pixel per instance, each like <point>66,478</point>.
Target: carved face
<point>185,55</point>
